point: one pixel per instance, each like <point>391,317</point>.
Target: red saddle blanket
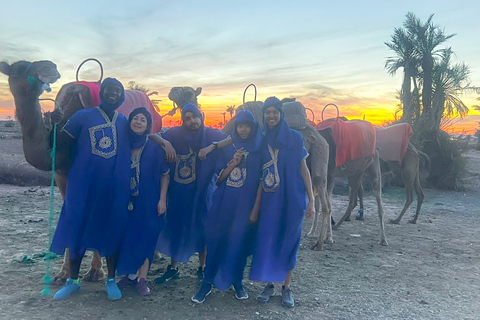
<point>355,139</point>
<point>133,99</point>
<point>393,141</point>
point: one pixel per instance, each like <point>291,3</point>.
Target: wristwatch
<point>215,144</point>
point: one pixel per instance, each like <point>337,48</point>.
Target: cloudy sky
<point>317,51</point>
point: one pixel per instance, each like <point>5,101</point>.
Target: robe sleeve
<point>73,127</point>
<point>164,166</point>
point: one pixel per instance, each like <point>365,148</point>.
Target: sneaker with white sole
<point>240,292</point>
<point>171,273</point>
<point>266,294</point>
<point>204,291</point>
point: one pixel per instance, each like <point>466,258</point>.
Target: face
<point>139,124</point>
<point>272,116</point>
<point>112,94</point>
<point>191,121</point>
<point>243,130</point>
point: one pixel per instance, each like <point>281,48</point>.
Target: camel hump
<point>295,114</point>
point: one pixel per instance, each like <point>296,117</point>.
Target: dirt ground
<point>430,270</point>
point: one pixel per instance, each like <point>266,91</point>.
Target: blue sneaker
<point>204,291</point>
<point>112,289</point>
<point>69,289</point>
<point>240,292</point>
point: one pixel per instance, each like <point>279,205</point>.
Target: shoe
<point>126,282</point>
<point>287,298</point>
<point>69,289</point>
<point>204,291</point>
<point>112,289</point>
<point>168,275</point>
<point>240,292</point>
<point>267,292</point>
<point>142,288</point>
<point>200,274</point>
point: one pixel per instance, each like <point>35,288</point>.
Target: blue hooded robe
<point>283,204</point>
<point>190,190</point>
<point>229,231</point>
<point>144,223</point>
<point>94,212</point>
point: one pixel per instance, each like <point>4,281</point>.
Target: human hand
<point>170,152</point>
<point>237,157</point>
<point>161,207</point>
<point>202,154</point>
<point>56,116</point>
<point>310,209</point>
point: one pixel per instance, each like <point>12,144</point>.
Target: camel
<point>412,163</point>
<point>354,170</point>
<point>27,81</point>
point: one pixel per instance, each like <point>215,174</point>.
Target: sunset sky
<point>316,51</point>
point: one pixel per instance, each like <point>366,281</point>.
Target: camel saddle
<point>89,95</point>
<point>354,139</point>
<point>393,141</point>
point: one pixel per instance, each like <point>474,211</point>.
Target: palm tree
<point>426,37</point>
<point>231,110</point>
<point>402,45</point>
<point>224,117</point>
<point>448,82</point>
<point>132,85</point>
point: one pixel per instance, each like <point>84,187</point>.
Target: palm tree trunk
<point>407,95</point>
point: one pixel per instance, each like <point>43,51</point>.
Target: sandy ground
<point>430,270</point>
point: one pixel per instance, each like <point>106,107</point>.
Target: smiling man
<point>189,192</point>
<point>94,213</point>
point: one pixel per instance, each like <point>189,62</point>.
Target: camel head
<point>30,78</point>
<point>183,95</point>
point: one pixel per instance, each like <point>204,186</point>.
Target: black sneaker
<point>204,291</point>
<point>200,274</point>
<point>170,274</point>
<point>267,292</point>
<point>287,298</point>
<point>240,292</point>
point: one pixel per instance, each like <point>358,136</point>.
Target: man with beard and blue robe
<point>189,192</point>
<point>94,213</point>
<point>229,232</point>
<point>281,204</point>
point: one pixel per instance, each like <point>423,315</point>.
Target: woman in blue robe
<point>229,231</point>
<point>149,180</point>
<point>94,213</point>
<point>280,206</point>
<point>189,192</point>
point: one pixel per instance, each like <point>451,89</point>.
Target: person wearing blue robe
<point>280,206</point>
<point>189,192</point>
<point>94,213</point>
<point>149,181</point>
<point>229,231</point>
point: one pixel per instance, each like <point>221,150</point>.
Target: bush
<point>447,162</point>
<point>9,124</point>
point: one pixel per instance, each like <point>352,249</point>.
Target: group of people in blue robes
<point>124,199</point>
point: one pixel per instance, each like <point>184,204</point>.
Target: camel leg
<point>408,181</point>
<point>96,272</point>
<point>420,197</point>
<point>325,234</point>
<point>360,199</point>
<point>64,274</point>
<point>376,175</point>
<point>353,182</point>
